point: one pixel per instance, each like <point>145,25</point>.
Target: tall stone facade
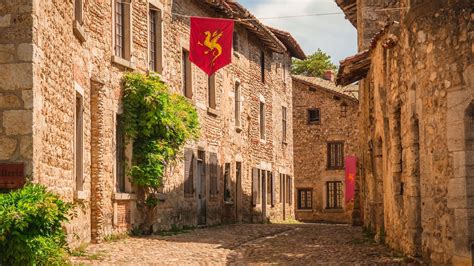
<point>62,63</point>
<point>316,179</point>
<point>416,145</point>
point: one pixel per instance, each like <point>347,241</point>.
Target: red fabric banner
<point>211,43</point>
<point>350,163</point>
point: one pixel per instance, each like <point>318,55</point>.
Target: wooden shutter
<point>188,172</point>
<point>213,191</point>
<point>290,190</point>
<point>254,186</point>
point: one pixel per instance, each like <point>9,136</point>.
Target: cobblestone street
<point>249,244</point>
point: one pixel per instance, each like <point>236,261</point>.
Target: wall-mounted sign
<point>12,175</point>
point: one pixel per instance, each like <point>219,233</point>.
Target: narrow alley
<point>299,244</point>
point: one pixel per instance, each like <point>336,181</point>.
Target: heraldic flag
<point>211,43</point>
<point>350,163</point>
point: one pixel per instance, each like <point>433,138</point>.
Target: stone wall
<point>16,83</point>
<point>415,144</point>
<point>311,140</point>
<point>49,59</point>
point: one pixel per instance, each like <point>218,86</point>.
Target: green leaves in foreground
<point>159,123</point>
<point>31,227</point>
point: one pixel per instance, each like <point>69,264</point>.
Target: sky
<point>332,34</point>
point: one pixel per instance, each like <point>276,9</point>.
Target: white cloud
<point>333,34</point>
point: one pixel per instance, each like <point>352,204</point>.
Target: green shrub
<point>31,227</point>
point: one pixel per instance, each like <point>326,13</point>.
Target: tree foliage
<point>31,227</point>
<point>314,66</point>
<point>159,123</point>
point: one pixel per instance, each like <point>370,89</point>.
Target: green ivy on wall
<point>159,123</point>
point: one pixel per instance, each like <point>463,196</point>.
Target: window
<point>237,104</point>
<point>213,164</point>
<point>283,123</point>
<point>282,187</point>
<point>335,155</point>
<point>235,43</point>
<point>156,64</point>
<point>334,195</point>
<point>305,197</point>
<point>262,120</point>
<point>186,71</point>
<point>188,173</point>
<point>314,116</point>
<point>227,185</point>
<point>78,8</point>
<point>119,155</point>
<point>289,190</point>
<point>211,93</point>
<point>79,143</point>
<point>343,109</point>
<point>122,39</point>
<point>262,66</point>
<point>255,186</point>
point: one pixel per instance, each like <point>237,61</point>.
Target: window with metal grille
<point>119,28</point>
<point>305,197</point>
<point>211,92</point>
<point>262,120</point>
<point>283,123</point>
<point>335,155</point>
<point>120,155</point>
<point>314,116</point>
<point>189,173</point>
<point>343,109</point>
<point>186,71</point>
<point>334,195</point>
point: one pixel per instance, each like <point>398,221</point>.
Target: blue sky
<point>333,34</point>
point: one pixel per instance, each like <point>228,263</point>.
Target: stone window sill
<point>229,202</point>
<point>263,141</point>
<point>236,54</point>
<point>212,111</point>
<point>304,210</point>
<point>81,195</point>
<point>124,196</point>
<point>79,31</point>
<point>338,210</point>
<point>123,62</point>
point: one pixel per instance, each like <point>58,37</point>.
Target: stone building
<point>62,64</point>
<point>416,124</point>
<point>325,131</point>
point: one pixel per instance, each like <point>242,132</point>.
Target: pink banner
<point>350,163</point>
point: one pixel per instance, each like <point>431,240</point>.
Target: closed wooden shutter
<point>255,195</point>
<point>290,189</point>
<point>188,172</point>
<point>214,189</point>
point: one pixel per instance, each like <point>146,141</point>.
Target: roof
<point>353,68</point>
<point>356,67</point>
<point>234,10</point>
<point>348,92</point>
<point>291,44</point>
<point>349,7</point>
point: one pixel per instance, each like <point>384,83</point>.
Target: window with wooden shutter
<point>186,71</point>
<point>211,91</point>
<point>269,188</point>
<point>227,185</point>
<point>255,186</point>
<point>272,179</point>
<point>289,190</point>
<point>283,123</point>
<point>214,188</point>
<point>119,155</point>
<point>335,155</point>
<point>282,188</point>
<point>188,172</point>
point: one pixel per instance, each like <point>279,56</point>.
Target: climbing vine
<point>159,123</point>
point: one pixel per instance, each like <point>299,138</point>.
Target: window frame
<point>318,121</point>
<point>79,11</point>
<point>237,105</point>
<point>334,188</point>
<point>120,157</point>
<point>284,117</point>
<point>124,49</point>
<point>305,207</point>
<point>188,184</point>
<point>338,153</point>
<point>211,92</point>
<point>79,141</point>
<point>262,66</point>
<point>262,122</point>
<point>155,39</point>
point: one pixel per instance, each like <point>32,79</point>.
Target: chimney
<point>329,75</point>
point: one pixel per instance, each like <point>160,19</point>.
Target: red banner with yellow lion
<point>211,43</point>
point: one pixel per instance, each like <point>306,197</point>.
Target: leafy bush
<point>159,122</point>
<point>30,227</point>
